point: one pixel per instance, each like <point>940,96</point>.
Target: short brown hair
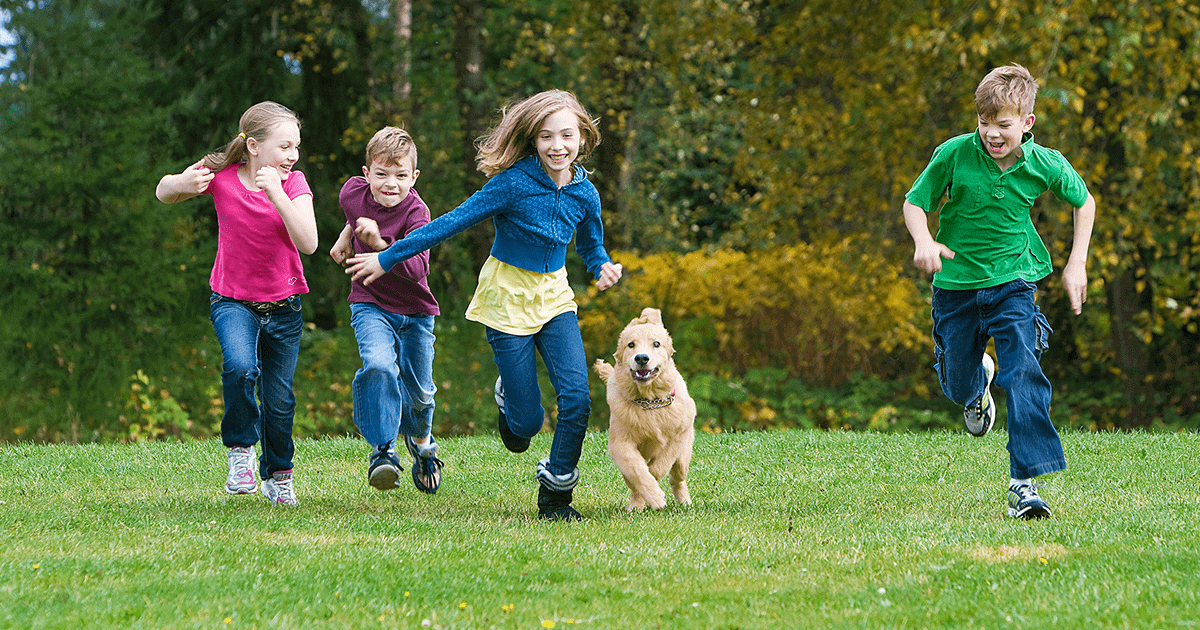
<point>390,145</point>
<point>1005,87</point>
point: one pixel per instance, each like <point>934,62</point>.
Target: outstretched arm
<point>1075,273</point>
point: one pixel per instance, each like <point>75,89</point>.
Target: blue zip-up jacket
<point>534,219</point>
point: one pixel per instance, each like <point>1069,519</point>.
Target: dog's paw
<point>603,370</point>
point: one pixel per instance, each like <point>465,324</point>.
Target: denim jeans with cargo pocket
<point>963,321</point>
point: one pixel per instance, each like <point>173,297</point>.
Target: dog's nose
<point>641,359</point>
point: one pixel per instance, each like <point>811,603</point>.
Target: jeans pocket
<point>1042,342</point>
<point>939,352</point>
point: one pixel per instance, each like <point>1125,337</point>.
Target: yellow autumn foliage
<point>820,312</point>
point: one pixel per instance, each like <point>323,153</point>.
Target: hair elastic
<point>242,135</point>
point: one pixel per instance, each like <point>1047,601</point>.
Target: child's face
<point>390,183</point>
<point>280,149</point>
<point>1001,136</point>
<point>557,144</point>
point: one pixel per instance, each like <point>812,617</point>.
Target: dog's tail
<point>603,369</point>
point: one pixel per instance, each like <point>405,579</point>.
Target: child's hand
<point>193,181</point>
<point>341,250</point>
<point>196,178</point>
<point>610,273</point>
<point>267,179</point>
<point>928,257</point>
<point>1075,282</point>
<point>367,231</point>
<point>365,267</point>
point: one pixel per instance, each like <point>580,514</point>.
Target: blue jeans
<point>260,353</point>
<point>962,323</point>
<point>393,391</point>
<point>561,347</point>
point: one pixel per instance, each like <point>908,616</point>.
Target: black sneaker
<point>512,441</point>
<point>384,473</point>
<point>1024,502</point>
<point>426,467</point>
<point>555,505</point>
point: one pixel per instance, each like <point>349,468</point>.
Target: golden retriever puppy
<point>651,427</point>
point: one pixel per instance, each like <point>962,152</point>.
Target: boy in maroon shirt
<point>392,317</point>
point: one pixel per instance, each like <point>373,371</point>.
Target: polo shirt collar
<point>1026,146</point>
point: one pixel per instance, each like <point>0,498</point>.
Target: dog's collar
<point>657,403</point>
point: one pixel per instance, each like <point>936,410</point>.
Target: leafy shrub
<point>152,413</point>
<point>819,312</point>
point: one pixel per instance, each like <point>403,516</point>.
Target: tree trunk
<point>618,147</point>
<point>402,65</point>
<point>1132,356</point>
<point>469,19</point>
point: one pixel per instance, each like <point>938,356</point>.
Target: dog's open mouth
<point>644,374</point>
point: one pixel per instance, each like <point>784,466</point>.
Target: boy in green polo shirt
<point>985,259</point>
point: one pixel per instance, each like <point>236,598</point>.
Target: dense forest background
<point>753,162</point>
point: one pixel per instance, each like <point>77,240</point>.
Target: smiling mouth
<point>643,375</point>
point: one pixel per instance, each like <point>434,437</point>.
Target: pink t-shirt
<point>256,259</point>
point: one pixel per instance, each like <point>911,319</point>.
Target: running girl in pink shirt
<point>265,219</point>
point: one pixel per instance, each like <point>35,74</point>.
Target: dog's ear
<point>651,315</point>
<point>619,354</point>
<point>670,344</point>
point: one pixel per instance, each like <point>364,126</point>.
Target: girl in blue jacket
<point>538,199</point>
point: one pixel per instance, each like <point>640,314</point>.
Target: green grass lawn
<point>788,530</point>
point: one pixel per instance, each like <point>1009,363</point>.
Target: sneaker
<point>384,473</point>
<point>982,415</point>
<point>555,505</point>
<point>241,478</point>
<point>512,441</point>
<point>426,467</point>
<point>1024,502</point>
<point>278,489</point>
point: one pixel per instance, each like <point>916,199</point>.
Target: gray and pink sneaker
<point>278,489</point>
<point>241,478</point>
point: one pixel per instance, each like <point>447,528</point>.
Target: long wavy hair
<point>256,122</point>
<point>513,138</point>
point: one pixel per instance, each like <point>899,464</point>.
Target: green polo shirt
<point>986,219</point>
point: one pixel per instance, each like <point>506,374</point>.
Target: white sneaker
<point>278,489</point>
<point>982,415</point>
<point>241,479</point>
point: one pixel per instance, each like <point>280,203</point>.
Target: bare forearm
<point>1085,218</point>
<point>917,224</point>
<point>298,218</point>
<point>172,189</point>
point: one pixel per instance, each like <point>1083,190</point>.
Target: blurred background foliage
<point>754,158</point>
